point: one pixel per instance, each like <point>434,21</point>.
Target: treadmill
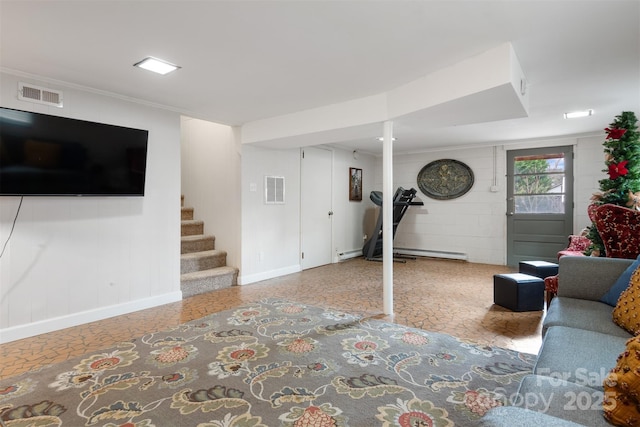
<point>402,199</point>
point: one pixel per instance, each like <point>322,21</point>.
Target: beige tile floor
<point>453,297</point>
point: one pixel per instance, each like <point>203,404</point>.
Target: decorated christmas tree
<point>622,161</point>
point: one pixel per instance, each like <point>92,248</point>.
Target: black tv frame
<point>47,155</point>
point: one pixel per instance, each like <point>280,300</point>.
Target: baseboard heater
<point>430,253</point>
<point>349,254</point>
<point>342,256</point>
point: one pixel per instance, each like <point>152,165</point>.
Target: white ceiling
<point>244,61</point>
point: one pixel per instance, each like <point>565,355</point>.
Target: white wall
<point>471,225</point>
<point>588,169</point>
<point>271,233</point>
<point>352,219</point>
<point>72,260</point>
<point>211,181</point>
<point>474,225</point>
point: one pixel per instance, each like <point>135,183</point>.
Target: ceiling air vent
<point>39,95</point>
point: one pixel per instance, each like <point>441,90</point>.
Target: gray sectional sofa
<point>580,346</point>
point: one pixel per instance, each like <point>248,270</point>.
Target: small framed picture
<point>355,184</point>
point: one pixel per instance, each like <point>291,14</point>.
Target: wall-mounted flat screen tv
<point>44,155</point>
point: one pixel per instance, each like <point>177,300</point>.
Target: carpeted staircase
<point>202,267</point>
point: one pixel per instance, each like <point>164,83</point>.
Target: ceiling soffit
<point>487,87</point>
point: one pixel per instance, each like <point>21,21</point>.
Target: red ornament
<point>619,169</point>
<point>615,133</point>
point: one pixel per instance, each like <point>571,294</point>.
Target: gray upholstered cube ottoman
<point>518,291</point>
<point>539,269</point>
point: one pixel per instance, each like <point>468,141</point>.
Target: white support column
<point>387,217</point>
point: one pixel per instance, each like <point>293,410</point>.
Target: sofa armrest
<point>588,277</point>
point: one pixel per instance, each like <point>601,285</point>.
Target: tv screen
<point>44,155</point>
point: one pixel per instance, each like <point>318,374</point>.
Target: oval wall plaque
<point>445,179</point>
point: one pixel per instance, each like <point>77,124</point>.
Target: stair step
<point>205,260</point>
<point>197,243</point>
<point>191,227</point>
<point>202,267</point>
<point>200,282</point>
<point>186,213</point>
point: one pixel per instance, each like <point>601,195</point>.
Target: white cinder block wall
<point>471,225</point>
<point>588,170</point>
<point>474,225</point>
<point>73,260</point>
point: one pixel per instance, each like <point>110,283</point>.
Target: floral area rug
<point>271,363</point>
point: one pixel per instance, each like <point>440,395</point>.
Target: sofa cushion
<point>578,356</point>
<point>511,416</point>
<point>588,277</point>
<point>562,399</point>
<point>622,387</point>
<point>582,314</point>
<point>626,314</point>
<point>611,297</point>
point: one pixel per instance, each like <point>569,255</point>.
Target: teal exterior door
<point>539,203</point>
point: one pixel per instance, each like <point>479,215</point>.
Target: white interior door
<point>316,214</point>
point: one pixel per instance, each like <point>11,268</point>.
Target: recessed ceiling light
<point>576,114</point>
<point>156,65</point>
<point>381,139</point>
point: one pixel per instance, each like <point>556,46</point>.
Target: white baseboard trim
<point>265,275</point>
<point>18,332</point>
<point>430,253</point>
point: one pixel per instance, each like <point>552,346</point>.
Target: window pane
<point>539,184</point>
<point>547,203</point>
<point>539,164</point>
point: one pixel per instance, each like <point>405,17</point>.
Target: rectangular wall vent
<point>274,190</point>
<point>39,95</point>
